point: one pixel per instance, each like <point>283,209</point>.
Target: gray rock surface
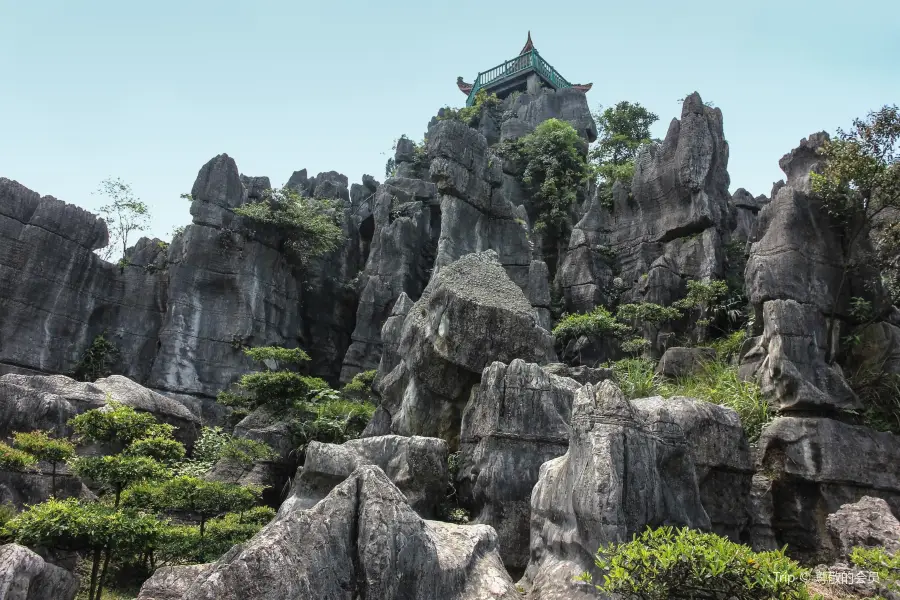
<point>416,465</point>
<point>679,362</point>
<point>470,315</point>
<point>746,209</point>
<point>625,469</point>
<point>815,466</point>
<point>668,227</point>
<point>528,110</point>
<point>721,457</point>
<point>363,541</point>
<point>30,402</point>
<point>25,576</point>
<point>868,523</point>
<point>36,486</point>
<point>171,583</point>
<point>516,420</point>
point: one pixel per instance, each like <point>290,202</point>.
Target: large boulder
<point>721,457</point>
<point>516,420</point>
<point>812,467</point>
<point>25,576</point>
<point>470,315</point>
<point>361,541</point>
<point>867,523</point>
<point>47,402</point>
<point>626,468</point>
<point>416,465</point>
<point>680,362</point>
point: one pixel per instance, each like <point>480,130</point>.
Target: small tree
<point>15,460</point>
<point>117,472</point>
<point>622,129</point>
<point>124,215</point>
<point>93,527</point>
<point>310,227</point>
<point>97,360</point>
<point>673,564</point>
<point>43,447</point>
<point>117,423</point>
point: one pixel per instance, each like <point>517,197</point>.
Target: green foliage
<point>635,345</point>
<point>279,355</point>
<point>702,295</point>
<point>117,423</point>
<point>161,448</point>
<point>860,186</point>
<point>277,389</point>
<point>879,392</point>
<point>12,459</point>
<point>116,472</point>
<point>124,215</point>
<point>182,544</point>
<point>887,566</point>
<point>8,512</point>
<point>43,447</point>
<point>79,526</point>
<point>597,323</point>
<point>360,387</point>
<point>470,115</point>
<point>555,170</point>
<point>332,421</point>
<point>622,129</point>
<point>669,563</point>
<point>215,444</point>
<point>97,360</point>
<point>647,312</point>
<point>717,383</point>
<point>861,310</point>
<point>311,227</point>
<point>729,346</point>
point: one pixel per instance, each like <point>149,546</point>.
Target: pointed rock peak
<point>403,304</point>
<point>219,182</point>
<point>604,399</point>
<point>693,104</point>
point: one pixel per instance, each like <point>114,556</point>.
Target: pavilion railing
<point>529,60</point>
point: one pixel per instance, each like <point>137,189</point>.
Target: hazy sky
<point>150,91</point>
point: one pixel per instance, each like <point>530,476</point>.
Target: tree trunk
<point>53,479</point>
<point>94,568</point>
<point>103,574</point>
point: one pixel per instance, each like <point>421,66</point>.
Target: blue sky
<point>149,91</point>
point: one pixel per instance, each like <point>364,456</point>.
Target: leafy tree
<point>704,297</point>
<point>117,423</point>
<point>596,323</point>
<point>555,169</point>
<point>117,472</point>
<point>182,543</point>
<point>43,447</point>
<point>78,526</point>
<point>215,444</point>
<point>164,449</point>
<point>622,129</point>
<point>672,564</point>
<point>124,214</point>
<point>860,187</point>
<point>360,387</point>
<point>97,360</point>
<point>310,227</point>
<point>15,460</point>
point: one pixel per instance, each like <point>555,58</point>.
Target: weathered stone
<point>416,465</point>
<point>746,209</point>
<point>625,469</point>
<point>531,109</point>
<point>33,487</point>
<point>35,402</point>
<point>362,540</point>
<point>721,457</point>
<point>868,523</point>
<point>400,260</point>
<point>264,425</point>
<point>581,374</point>
<point>469,316</point>
<point>25,576</point>
<point>516,420</point>
<point>683,362</point>
<point>171,583</point>
<point>817,465</point>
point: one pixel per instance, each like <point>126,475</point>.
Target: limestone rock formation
<point>470,315</point>
<point>671,225</point>
<point>25,576</point>
<point>43,402</point>
<point>32,487</point>
<point>813,466</point>
<point>682,362</point>
<point>363,540</point>
<point>516,420</point>
<point>416,465</point>
<point>625,469</point>
<point>868,523</point>
<point>746,210</point>
<point>528,110</point>
<point>171,583</point>
<point>406,225</point>
<point>721,456</point>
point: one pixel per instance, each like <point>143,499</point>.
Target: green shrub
<point>636,377</point>
<point>887,566</point>
<point>879,391</point>
<point>118,424</point>
<point>310,227</point>
<point>43,447</point>
<point>182,544</point>
<point>647,312</point>
<point>360,387</point>
<point>280,355</point>
<point>15,460</point>
<point>97,360</point>
<point>669,563</point>
<point>730,345</point>
<point>116,472</point>
<point>597,323</point>
<point>331,421</point>
<point>159,447</point>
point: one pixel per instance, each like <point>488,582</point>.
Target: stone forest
<point>547,358</point>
